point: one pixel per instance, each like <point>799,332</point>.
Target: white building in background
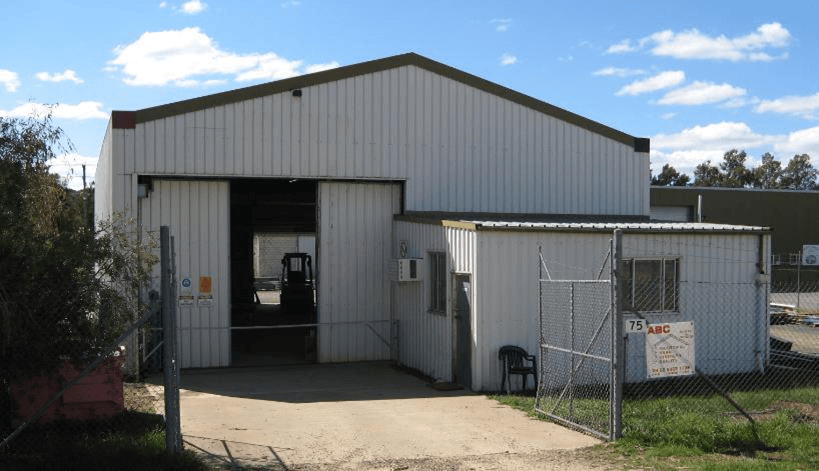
<point>393,158</point>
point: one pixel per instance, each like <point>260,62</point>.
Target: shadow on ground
<point>313,383</point>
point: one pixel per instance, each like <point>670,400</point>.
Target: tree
<point>733,173</point>
<point>67,289</point>
<point>706,174</point>
<point>799,174</point>
<point>769,173</point>
<point>669,176</point>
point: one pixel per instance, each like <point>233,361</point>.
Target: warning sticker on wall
<point>205,291</point>
<point>185,292</point>
<point>670,349</point>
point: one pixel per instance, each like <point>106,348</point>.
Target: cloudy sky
<point>697,77</point>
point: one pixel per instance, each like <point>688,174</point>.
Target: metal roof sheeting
<point>625,226</point>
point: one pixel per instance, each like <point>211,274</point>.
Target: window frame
<point>437,282</point>
<point>662,285</point>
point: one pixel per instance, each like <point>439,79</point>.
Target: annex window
<point>651,285</point>
<point>437,282</point>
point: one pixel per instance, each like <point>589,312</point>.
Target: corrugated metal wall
<point>103,193</point>
<point>355,236</point>
<point>198,216</point>
<point>718,292</point>
<point>507,292</point>
<point>460,149</point>
<point>508,270</point>
<point>426,338</point>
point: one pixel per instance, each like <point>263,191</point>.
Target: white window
<point>651,285</point>
<point>437,282</point>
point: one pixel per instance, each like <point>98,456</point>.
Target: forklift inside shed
<point>273,269</point>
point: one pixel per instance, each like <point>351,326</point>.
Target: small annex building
<point>402,157</point>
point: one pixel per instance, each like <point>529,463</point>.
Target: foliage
<point>769,173</point>
<point>707,175</point>
<point>67,289</point>
<point>799,174</point>
<point>669,176</point>
<point>733,172</point>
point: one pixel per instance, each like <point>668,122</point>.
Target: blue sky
<point>697,77</point>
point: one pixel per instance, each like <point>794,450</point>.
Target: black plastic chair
<point>516,362</point>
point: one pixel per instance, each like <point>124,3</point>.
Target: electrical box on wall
<point>410,269</point>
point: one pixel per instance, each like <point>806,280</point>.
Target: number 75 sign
<point>635,326</point>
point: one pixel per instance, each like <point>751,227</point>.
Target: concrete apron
<point>347,413</point>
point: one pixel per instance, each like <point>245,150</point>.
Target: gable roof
<point>129,119</point>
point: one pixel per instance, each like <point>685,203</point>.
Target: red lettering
<point>666,329</point>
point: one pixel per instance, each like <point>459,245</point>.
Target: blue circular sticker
<point>186,282</point>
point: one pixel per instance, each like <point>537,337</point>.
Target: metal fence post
<point>617,343</point>
<point>173,437</point>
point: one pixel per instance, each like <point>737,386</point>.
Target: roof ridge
<point>407,59</point>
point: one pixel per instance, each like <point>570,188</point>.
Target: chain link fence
<point>719,348</point>
<point>77,378</point>
<point>706,336</point>
<point>790,297</point>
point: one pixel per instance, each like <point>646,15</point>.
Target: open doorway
<point>272,219</point>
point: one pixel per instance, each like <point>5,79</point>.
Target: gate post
<point>617,341</point>
<point>170,365</point>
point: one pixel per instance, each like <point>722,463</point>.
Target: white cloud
<point>508,59</point>
<point>9,80</point>
<point>81,111</point>
<point>701,93</point>
<point>618,72</point>
<point>502,24</point>
<point>569,58</point>
<point>693,146</point>
<point>684,161</point>
<point>660,81</point>
<point>193,7</point>
<point>186,57</point>
<point>66,75</point>
<point>621,47</point>
<point>693,44</point>
<point>667,116</point>
<point>311,69</point>
<point>805,141</point>
<point>163,4</point>
<point>69,167</point>
<point>802,106</point>
<point>722,136</point>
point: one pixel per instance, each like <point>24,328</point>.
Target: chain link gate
<point>578,333</point>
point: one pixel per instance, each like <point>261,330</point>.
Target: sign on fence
<point>670,349</point>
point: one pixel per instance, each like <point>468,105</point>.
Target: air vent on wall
<point>409,269</point>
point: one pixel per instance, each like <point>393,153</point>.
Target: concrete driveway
<point>358,416</point>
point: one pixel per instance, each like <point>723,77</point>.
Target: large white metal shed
<point>337,154</point>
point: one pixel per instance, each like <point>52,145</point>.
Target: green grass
<point>706,432</point>
<point>130,441</point>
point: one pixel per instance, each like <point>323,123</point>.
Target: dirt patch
<point>803,413</point>
<point>361,416</point>
<point>552,460</point>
